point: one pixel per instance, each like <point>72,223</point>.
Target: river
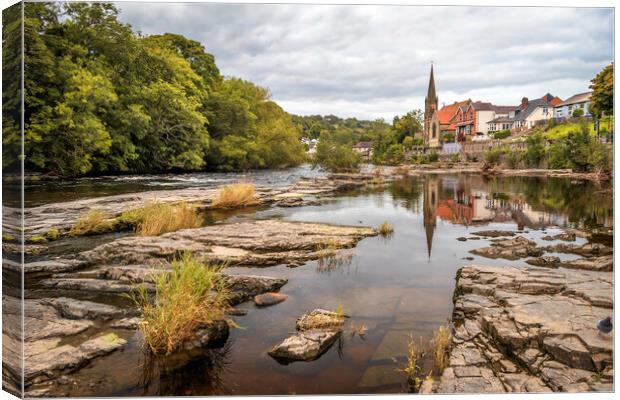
<point>394,287</point>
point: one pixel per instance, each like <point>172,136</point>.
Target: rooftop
<point>578,98</point>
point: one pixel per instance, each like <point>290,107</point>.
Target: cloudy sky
<point>373,61</point>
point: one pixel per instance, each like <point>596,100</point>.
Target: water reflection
<point>532,203</point>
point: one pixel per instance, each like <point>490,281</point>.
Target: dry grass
<point>157,218</point>
<point>331,256</point>
<point>236,195</point>
<point>92,223</point>
<point>412,369</point>
<point>440,345</point>
<point>322,320</point>
<point>386,229</point>
<point>191,295</point>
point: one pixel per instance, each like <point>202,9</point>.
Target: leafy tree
<point>410,124</point>
<point>602,99</point>
<point>408,142</point>
<point>335,156</point>
<point>578,112</point>
<point>535,150</point>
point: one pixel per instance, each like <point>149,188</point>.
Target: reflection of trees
<point>584,204</point>
<point>407,192</point>
<point>186,374</point>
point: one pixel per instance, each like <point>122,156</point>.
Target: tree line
<point>101,98</point>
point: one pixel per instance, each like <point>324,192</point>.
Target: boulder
<point>510,249</point>
<point>493,233</point>
<point>269,299</point>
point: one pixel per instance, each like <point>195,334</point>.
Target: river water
<point>394,287</point>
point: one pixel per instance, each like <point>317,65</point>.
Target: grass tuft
<point>7,238</point>
<point>157,218</point>
<point>440,346</point>
<point>412,369</point>
<point>330,258</point>
<point>37,239</point>
<point>92,223</point>
<point>191,295</point>
<point>240,194</point>
<point>386,229</point>
<point>52,234</point>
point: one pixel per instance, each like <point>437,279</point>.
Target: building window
<point>545,110</point>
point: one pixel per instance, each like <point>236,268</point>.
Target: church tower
<point>431,123</point>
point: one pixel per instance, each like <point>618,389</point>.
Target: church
<point>431,116</point>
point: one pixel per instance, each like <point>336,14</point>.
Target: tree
<point>578,112</point>
<point>409,124</point>
<point>335,156</point>
<point>535,150</point>
<point>602,99</point>
<point>408,142</point>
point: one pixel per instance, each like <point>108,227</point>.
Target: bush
<point>456,157</point>
<point>334,156</point>
<point>493,156</point>
<point>578,113</point>
<point>580,152</point>
<point>433,156</point>
<point>535,150</point>
<point>513,159</point>
<point>236,195</point>
<point>448,138</point>
<point>189,296</point>
<point>502,134</point>
<point>394,155</point>
<point>157,218</point>
<point>92,223</point>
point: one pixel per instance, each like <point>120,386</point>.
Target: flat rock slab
<point>493,233</point>
<point>529,330</point>
<point>256,243</point>
<point>510,249</point>
<point>316,332</point>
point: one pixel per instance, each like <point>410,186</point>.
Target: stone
<point>510,249</point>
<point>604,263</point>
<point>269,299</point>
<point>320,319</point>
<point>528,330</point>
<point>493,233</point>
<point>304,346</point>
<point>461,239</point>
<point>544,261</point>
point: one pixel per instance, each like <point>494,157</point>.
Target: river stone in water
<point>269,299</point>
<point>317,331</point>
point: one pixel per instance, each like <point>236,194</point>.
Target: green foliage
<point>501,134</point>
<point>353,129</point>
<point>334,155</point>
<point>578,112</point>
<point>602,99</point>
<point>514,158</point>
<point>394,155</point>
<point>390,142</point>
<point>433,156</point>
<point>448,138</point>
<point>409,125</point>
<point>101,98</point>
<point>408,142</point>
<point>535,150</point>
<point>580,151</point>
<point>493,156</point>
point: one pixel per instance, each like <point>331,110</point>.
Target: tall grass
<point>157,218</point>
<point>330,256</point>
<point>189,296</point>
<point>91,223</point>
<point>440,346</point>
<point>240,194</point>
<point>412,369</point>
<point>386,229</point>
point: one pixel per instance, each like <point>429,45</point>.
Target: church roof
<point>431,86</point>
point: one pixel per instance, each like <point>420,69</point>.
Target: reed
<point>240,194</point>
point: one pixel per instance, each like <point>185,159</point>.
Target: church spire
<point>431,86</point>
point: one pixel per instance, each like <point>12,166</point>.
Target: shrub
<point>395,154</point>
<point>456,157</point>
<point>157,218</point>
<point>191,295</point>
<point>513,158</point>
<point>92,223</point>
<point>535,150</point>
<point>601,157</point>
<point>441,343</point>
<point>52,234</point>
<point>408,142</point>
<point>493,156</point>
<point>502,134</point>
<point>386,229</point>
<point>448,138</point>
<point>334,156</point>
<point>433,156</point>
<point>235,195</point>
<point>578,113</point>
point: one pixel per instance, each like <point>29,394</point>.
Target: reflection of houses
<point>431,198</point>
<point>364,149</point>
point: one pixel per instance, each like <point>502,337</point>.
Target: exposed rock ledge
<point>63,216</point>
<point>529,330</point>
<point>256,243</point>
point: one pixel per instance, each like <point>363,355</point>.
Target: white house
<point>579,101</point>
<point>526,116</point>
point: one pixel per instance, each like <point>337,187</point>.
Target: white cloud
<point>373,61</point>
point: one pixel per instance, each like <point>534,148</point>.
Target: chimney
<point>524,102</point>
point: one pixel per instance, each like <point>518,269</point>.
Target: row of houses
<point>476,120</point>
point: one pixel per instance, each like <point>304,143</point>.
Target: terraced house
<point>566,108</point>
<point>526,116</point>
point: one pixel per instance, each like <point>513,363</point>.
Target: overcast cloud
<point>373,61</point>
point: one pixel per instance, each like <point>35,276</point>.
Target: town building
<point>566,108</point>
<point>472,120</point>
<point>431,119</point>
<point>446,117</point>
<point>526,116</point>
<point>364,149</point>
